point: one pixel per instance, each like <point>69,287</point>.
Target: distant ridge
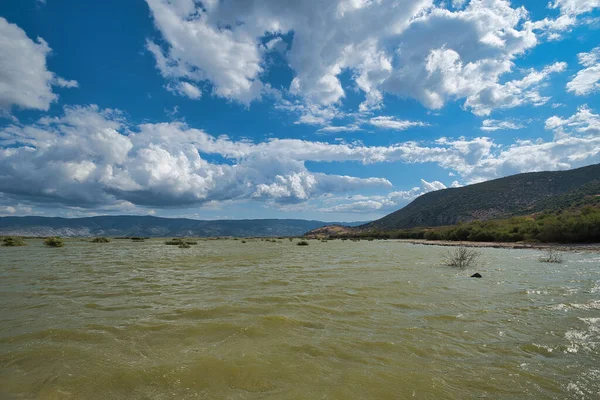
<point>520,194</point>
<point>125,225</point>
<point>514,195</point>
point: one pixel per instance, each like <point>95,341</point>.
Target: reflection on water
<point>335,320</point>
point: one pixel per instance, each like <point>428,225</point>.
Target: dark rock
<point>476,275</point>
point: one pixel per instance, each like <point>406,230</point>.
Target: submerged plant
<point>54,242</point>
<point>184,245</point>
<point>13,242</point>
<point>461,257</point>
<point>302,243</point>
<point>551,256</point>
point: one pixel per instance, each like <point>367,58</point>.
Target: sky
<point>334,110</point>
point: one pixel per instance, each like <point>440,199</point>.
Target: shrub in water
<point>100,240</point>
<point>461,257</point>
<point>551,256</point>
<point>13,242</point>
<point>302,243</point>
<point>184,245</point>
<point>54,242</point>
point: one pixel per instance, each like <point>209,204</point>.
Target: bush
<point>13,242</point>
<point>137,239</point>
<point>100,240</point>
<point>462,257</point>
<point>243,241</point>
<point>184,245</point>
<point>54,242</point>
<point>302,243</point>
<point>551,256</point>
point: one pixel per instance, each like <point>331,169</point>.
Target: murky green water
<point>335,320</point>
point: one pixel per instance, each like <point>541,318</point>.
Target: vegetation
<point>461,257</point>
<point>243,241</point>
<point>138,239</point>
<point>551,256</point>
<point>54,242</point>
<point>184,245</point>
<point>13,242</point>
<point>100,240</point>
<point>302,243</point>
<point>572,225</point>
<point>179,242</point>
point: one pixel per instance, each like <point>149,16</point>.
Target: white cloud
<point>90,157</point>
<point>491,125</point>
<point>385,122</point>
<point>406,48</point>
<point>341,128</point>
<point>383,204</point>
<point>185,89</point>
<point>575,7</point>
<point>583,122</point>
<point>587,80</point>
<point>25,81</point>
<point>513,93</point>
<point>198,50</point>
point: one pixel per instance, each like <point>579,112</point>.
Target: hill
<point>153,226</point>
<point>522,194</point>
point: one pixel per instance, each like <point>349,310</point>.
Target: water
<point>261,320</point>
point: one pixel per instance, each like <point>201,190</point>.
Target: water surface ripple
<point>262,320</point>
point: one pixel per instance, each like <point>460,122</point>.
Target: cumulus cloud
<point>574,7</point>
<point>185,89</point>
<point>25,81</point>
<point>385,122</point>
<point>199,50</point>
<point>383,204</point>
<point>406,48</point>
<point>587,80</point>
<point>340,128</point>
<point>583,122</point>
<point>491,125</point>
<point>91,157</point>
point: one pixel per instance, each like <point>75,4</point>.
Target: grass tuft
<point>13,242</point>
<point>54,242</point>
<point>100,240</point>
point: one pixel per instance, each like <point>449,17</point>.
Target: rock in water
<point>476,275</point>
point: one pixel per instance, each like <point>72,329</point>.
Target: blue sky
<point>334,110</point>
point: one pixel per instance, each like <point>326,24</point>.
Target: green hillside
<point>522,194</point>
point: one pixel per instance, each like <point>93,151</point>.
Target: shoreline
<point>572,247</point>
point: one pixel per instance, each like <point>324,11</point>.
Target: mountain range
<point>149,226</point>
